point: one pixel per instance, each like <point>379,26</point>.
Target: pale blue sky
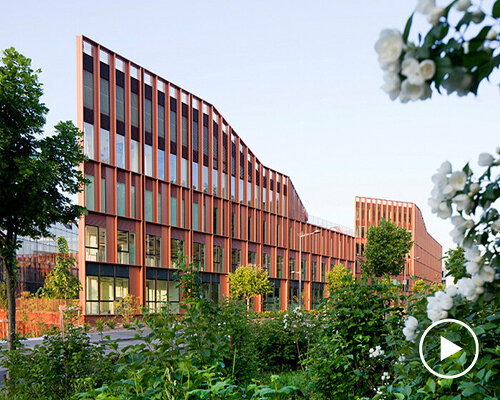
<point>297,80</point>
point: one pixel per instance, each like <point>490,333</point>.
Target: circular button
<point>451,344</point>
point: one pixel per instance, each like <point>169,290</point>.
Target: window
<point>153,251</point>
<point>161,121</point>
<point>233,188</point>
<point>250,228</point>
<point>173,168</point>
<point>291,269</point>
<point>120,151</point>
<point>176,249</point>
<point>103,291</point>
<point>148,159</point>
<point>103,195</point>
<point>120,103</point>
<point>279,267</point>
<point>120,199</point>
<point>210,287</point>
<point>205,179</point>
<point>159,208</point>
<point>134,155</point>
<point>173,210</point>
<point>241,191</point>
<point>196,211</point>
<point>104,145</point>
<point>148,117</point>
<point>90,193</point>
<point>235,259</point>
<point>293,296</point>
<point>252,257</point>
<point>317,295</point>
<point>214,181</point>
<point>95,243</point>
<point>132,202</point>
<point>303,271</point>
<point>134,109</point>
<point>314,271</point>
<point>88,90</point>
<point>224,185</point>
<point>156,294</point>
<point>185,176</point>
<point>173,126</point>
<point>126,247</point>
<point>272,300</point>
<point>216,220</point>
<point>199,255</point>
<point>148,206</point>
<point>104,103</point>
<point>249,193</point>
<point>233,224</point>
<point>218,259</point>
<point>184,130</point>
<point>195,176</point>
<point>88,139</point>
<point>266,261</point>
<point>161,164</point>
<point>323,272</point>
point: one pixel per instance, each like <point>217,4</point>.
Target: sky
<point>297,80</point>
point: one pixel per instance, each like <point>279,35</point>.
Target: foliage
<point>386,249</point>
<point>247,282</point>
<point>38,176</point>
<point>358,340</point>
<point>335,277</point>
<point>421,287</point>
<point>127,308</point>
<point>57,368</point>
<point>60,283</point>
<point>454,263</point>
<point>457,53</point>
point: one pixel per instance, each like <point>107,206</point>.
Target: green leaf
<point>406,31</point>
<point>496,9</point>
<point>466,20</point>
<point>479,39</point>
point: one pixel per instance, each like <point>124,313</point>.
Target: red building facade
<point>168,173</point>
<point>424,261</point>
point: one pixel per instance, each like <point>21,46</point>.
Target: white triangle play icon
<point>448,348</point>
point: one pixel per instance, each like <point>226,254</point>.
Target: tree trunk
<point>11,302</point>
<point>248,304</point>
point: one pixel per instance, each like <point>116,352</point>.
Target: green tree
<point>337,277</point>
<point>386,249</point>
<point>247,282</point>
<point>38,173</point>
<point>454,263</point>
<point>60,283</point>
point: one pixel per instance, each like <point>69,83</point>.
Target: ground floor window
<point>106,285</point>
<point>293,294</point>
<point>317,295</point>
<point>162,290</point>
<point>272,301</point>
<point>210,286</point>
<point>235,259</point>
<point>218,259</point>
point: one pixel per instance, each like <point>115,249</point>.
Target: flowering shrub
<point>458,52</point>
<point>470,202</point>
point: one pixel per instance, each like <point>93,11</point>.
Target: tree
<point>247,282</point>
<point>386,249</point>
<point>337,277</point>
<point>60,283</point>
<point>454,263</point>
<point>457,53</point>
<point>38,174</point>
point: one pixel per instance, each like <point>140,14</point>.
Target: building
<point>168,173</point>
<point>424,261</point>
<point>35,258</point>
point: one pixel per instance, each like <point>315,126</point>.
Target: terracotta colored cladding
<point>424,261</point>
<point>191,179</point>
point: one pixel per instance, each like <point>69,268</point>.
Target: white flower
<point>436,314</point>
<point>427,92</point>
<point>444,211</point>
<point>457,235</point>
<point>410,92</point>
<point>446,301</point>
<point>466,288</point>
<point>485,159</point>
<point>445,168</point>
<point>474,188</point>
<point>462,201</point>
<point>451,290</point>
<point>472,267</point>
<point>473,254</point>
<point>411,69</point>
<point>465,45</point>
<point>478,16</point>
<point>458,80</point>
<point>392,85</point>
<point>449,191</point>
<point>393,67</point>
<point>409,334</point>
<point>425,6</point>
<point>389,46</point>
<point>411,322</point>
<point>434,15</point>
<point>492,34</point>
<point>385,376</point>
<point>427,69</point>
<point>462,5</point>
<point>458,180</point>
<point>461,223</point>
<point>487,274</point>
<point>401,359</point>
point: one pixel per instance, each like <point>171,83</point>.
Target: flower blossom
<point>462,5</point>
<point>389,46</point>
<point>485,159</point>
<point>410,328</point>
<point>376,352</point>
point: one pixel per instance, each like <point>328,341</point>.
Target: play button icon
<point>448,348</point>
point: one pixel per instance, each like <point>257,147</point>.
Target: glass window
<point>216,220</point>
<point>199,255</point>
<point>267,263</point>
<point>88,89</point>
<point>148,159</point>
<point>195,176</point>
<point>153,251</point>
<point>291,269</point>
<point>252,257</point>
<point>161,121</point>
<point>174,296</point>
<point>120,103</point>
<point>235,259</point>
<point>205,179</point>
<point>125,247</point>
<point>184,130</point>
<point>233,188</point>
<point>196,211</point>
<point>95,243</point>
<point>161,164</point>
<point>272,300</point>
<point>224,185</point>
<point>185,176</point>
<point>314,271</point>
<point>134,109</point>
<point>120,199</point>
<point>103,195</point>
<point>279,267</point>
<point>92,295</point>
<point>148,116</point>
<point>149,205</point>
<point>159,208</point>
<point>104,145</point>
<point>218,259</point>
<point>173,126</point>
<point>241,190</point>
<point>157,295</point>
<point>323,272</point>
<point>104,96</point>
<point>173,210</point>
<point>120,151</point>
<point>176,249</point>
<point>132,202</point>
<point>303,269</point>
<point>134,155</point>
<point>88,139</point>
<point>249,193</point>
<point>173,168</point>
<point>103,291</point>
<point>90,193</point>
<point>214,181</point>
